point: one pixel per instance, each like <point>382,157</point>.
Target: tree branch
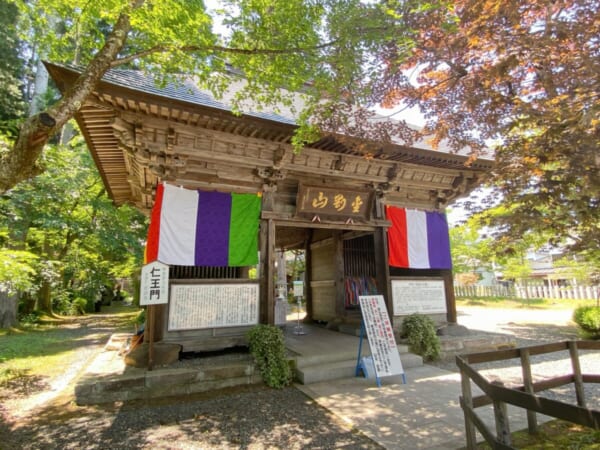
<point>221,49</point>
<point>21,163</point>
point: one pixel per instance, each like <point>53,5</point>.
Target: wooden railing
<point>523,396</point>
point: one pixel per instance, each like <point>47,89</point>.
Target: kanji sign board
<point>381,336</point>
<point>155,284</point>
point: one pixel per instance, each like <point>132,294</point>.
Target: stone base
<point>452,345</point>
<point>163,355</point>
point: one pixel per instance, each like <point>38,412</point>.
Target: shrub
<point>588,320</point>
<point>267,346</point>
<point>31,318</point>
<point>421,335</point>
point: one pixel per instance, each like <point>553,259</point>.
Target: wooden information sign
<point>418,296</point>
<point>197,306</point>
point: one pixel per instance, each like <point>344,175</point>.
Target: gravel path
<point>44,416</point>
<point>532,327</point>
<point>248,417</point>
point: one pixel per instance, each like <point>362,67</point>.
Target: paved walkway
<point>424,413</point>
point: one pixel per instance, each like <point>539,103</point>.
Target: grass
<point>555,435</point>
<point>42,350</point>
<point>515,303</point>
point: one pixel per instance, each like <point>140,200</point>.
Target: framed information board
<point>197,306</point>
<point>418,296</point>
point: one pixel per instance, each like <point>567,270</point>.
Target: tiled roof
<point>186,91</point>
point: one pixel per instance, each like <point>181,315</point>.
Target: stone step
<point>342,355</point>
<point>335,370</point>
<point>137,383</point>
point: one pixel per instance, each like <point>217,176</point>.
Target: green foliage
<point>12,104</point>
<point>588,320</point>
<point>32,318</point>
<point>68,232</point>
<point>17,269</point>
<point>421,334</point>
<point>267,346</point>
<point>140,319</point>
<point>64,303</point>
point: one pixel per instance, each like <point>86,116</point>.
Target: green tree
<point>65,218</point>
<point>323,48</point>
<point>470,249</point>
<point>519,73</point>
<point>12,104</point>
<point>523,74</point>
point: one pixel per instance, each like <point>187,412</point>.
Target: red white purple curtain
<point>418,239</point>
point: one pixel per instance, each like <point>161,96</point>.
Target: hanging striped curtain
<point>198,228</point>
<point>418,239</point>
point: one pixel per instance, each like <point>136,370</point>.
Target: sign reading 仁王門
<point>154,288</point>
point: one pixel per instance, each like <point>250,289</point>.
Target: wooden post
<point>340,293</point>
<point>307,276</point>
<point>528,384</point>
<point>264,271</point>
<point>450,298</point>
<point>384,284</point>
<point>468,403</point>
<point>579,390</point>
<point>501,416</point>
<point>150,337</point>
<point>270,272</point>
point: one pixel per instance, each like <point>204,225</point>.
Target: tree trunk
<point>44,302</point>
<point>20,163</point>
<point>8,309</point>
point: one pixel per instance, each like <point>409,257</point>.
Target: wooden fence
<point>523,396</point>
<point>525,292</point>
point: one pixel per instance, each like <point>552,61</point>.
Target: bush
<point>588,320</point>
<point>31,318</point>
<point>267,346</point>
<point>421,335</point>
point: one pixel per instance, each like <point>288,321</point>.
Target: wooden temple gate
<point>141,135</point>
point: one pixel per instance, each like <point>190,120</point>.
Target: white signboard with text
<point>154,288</point>
<point>381,336</point>
<point>418,296</point>
<point>196,306</point>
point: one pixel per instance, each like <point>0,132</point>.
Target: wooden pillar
<point>384,284</point>
<point>383,269</point>
<point>450,298</point>
<point>340,293</point>
<point>264,270</point>
<point>271,272</point>
<point>307,275</point>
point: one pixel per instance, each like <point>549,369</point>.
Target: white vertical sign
<point>381,336</point>
<point>154,284</point>
<point>298,288</point>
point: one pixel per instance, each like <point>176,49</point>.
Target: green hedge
<point>267,346</point>
<point>421,335</point>
<point>588,320</point>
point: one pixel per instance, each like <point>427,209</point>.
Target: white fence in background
<point>524,292</point>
